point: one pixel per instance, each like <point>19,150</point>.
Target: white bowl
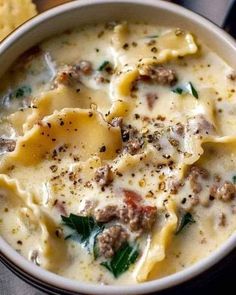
<point>89,11</point>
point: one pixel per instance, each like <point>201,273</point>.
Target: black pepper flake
<point>211,198</point>
<point>19,242</point>
<point>58,233</point>
<point>183,201</point>
<point>150,138</point>
<point>90,114</point>
<point>77,90</point>
<point>119,174</point>
<point>62,123</point>
<point>102,149</point>
<point>53,168</point>
<point>151,42</point>
<point>125,46</point>
<point>137,116</point>
<point>100,34</point>
<point>125,135</point>
<point>154,49</point>
<point>166,156</point>
<point>53,139</point>
<point>49,125</point>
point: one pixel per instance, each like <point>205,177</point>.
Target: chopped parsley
<point>122,260</point>
<point>192,90</point>
<point>183,221</point>
<point>103,65</point>
<point>22,91</point>
<point>188,88</point>
<point>178,90</point>
<point>234,179</point>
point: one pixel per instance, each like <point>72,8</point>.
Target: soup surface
<point>118,153</point>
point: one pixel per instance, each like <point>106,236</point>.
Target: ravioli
<point>117,149</point>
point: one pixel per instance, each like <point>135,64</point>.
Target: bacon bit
<point>132,198</point>
<point>151,99</point>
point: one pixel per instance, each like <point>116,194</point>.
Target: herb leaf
<point>178,90</point>
<point>192,90</point>
<point>103,65</point>
<point>85,228</point>
<point>188,88</point>
<point>22,91</point>
<point>183,221</point>
<point>152,36</point>
<point>234,179</point>
<point>122,260</point>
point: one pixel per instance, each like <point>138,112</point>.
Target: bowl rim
<point>71,285</point>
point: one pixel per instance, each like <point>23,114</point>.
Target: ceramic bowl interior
<point>84,12</point>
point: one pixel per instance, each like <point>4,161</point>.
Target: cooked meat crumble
<point>160,75</point>
<point>225,191</point>
<point>111,239</point>
<point>7,145</point>
<point>103,175</point>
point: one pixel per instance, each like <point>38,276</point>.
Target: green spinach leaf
<point>103,65</point>
<point>85,228</point>
<point>122,260</point>
<point>183,221</point>
<point>188,88</point>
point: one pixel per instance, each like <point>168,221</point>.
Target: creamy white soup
<point>118,153</point>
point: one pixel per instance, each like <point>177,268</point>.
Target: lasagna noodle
<point>32,220</point>
<point>156,248</point>
<point>169,46</point>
